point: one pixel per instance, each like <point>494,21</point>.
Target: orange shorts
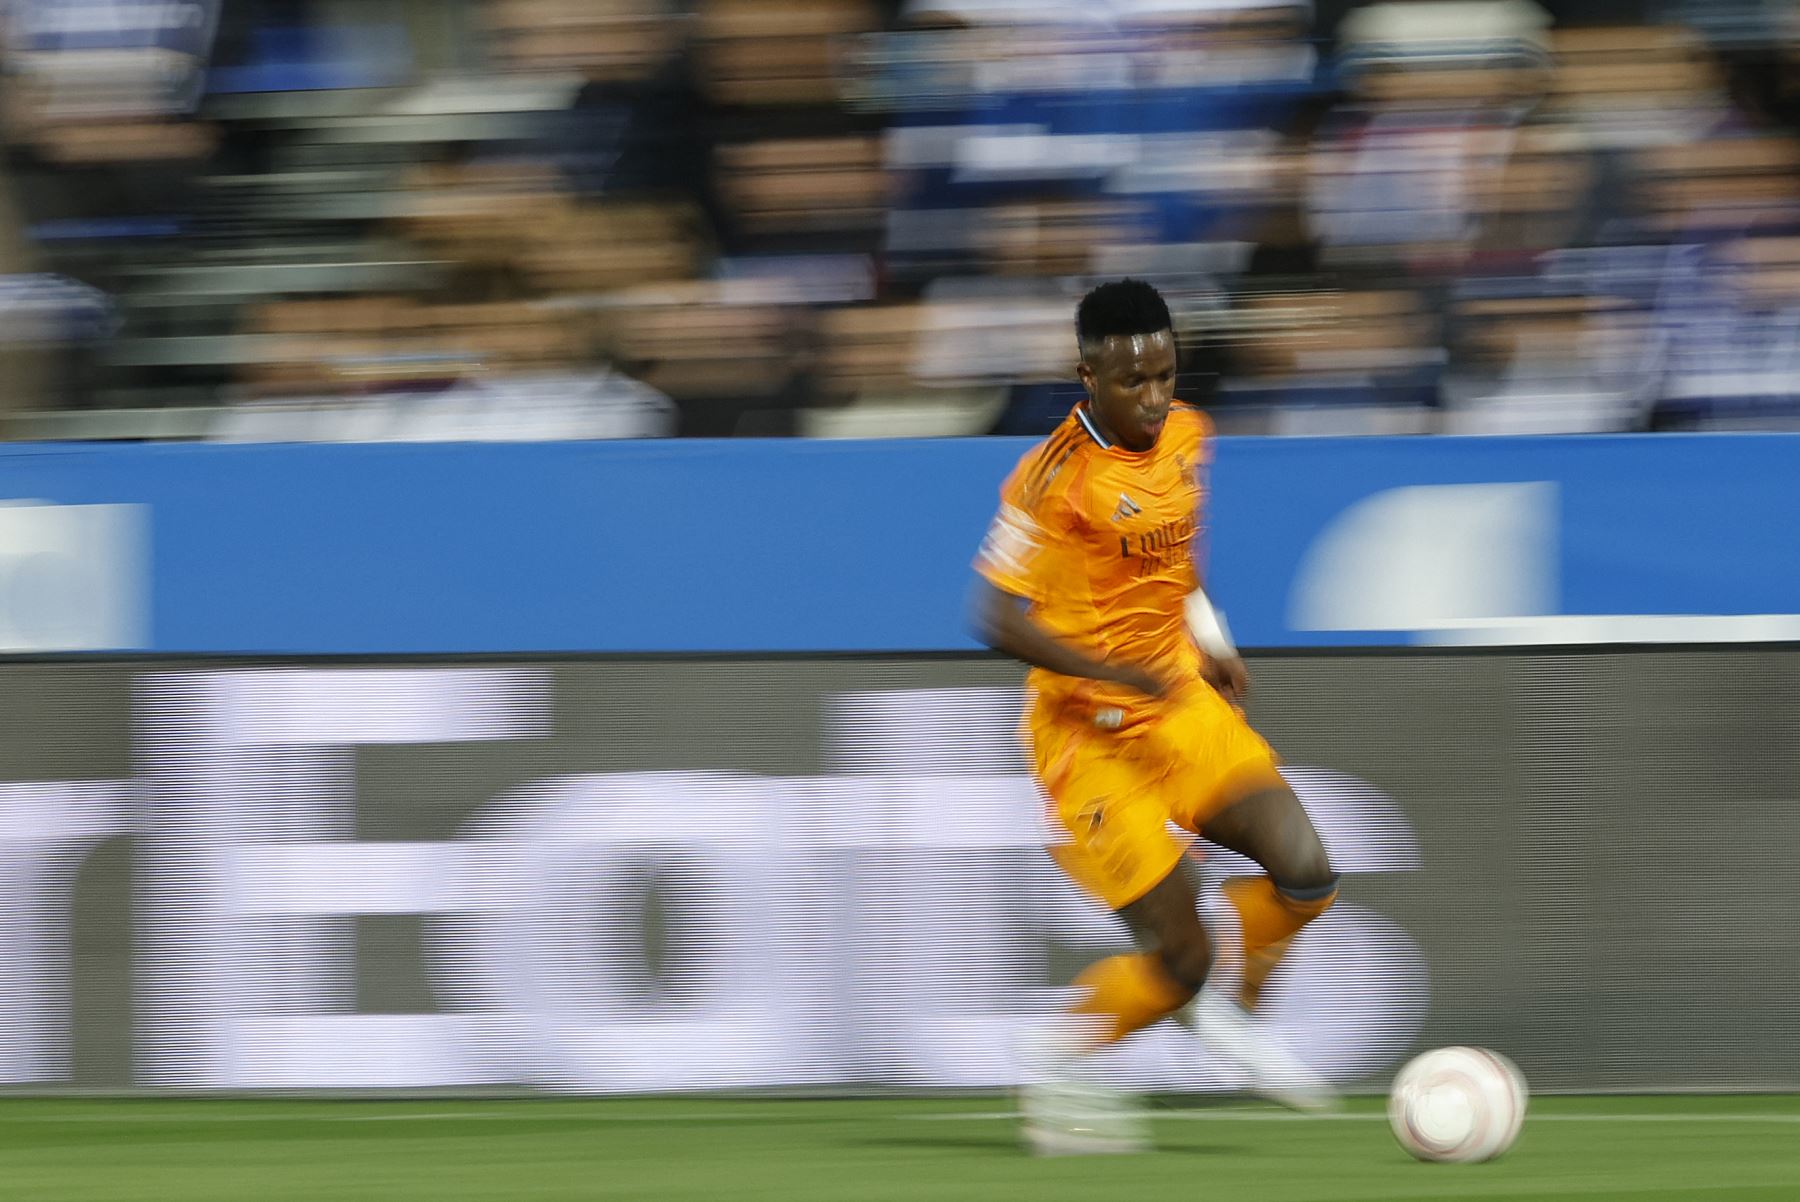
<point>1116,792</point>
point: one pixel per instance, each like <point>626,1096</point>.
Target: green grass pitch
<point>1720,1149</point>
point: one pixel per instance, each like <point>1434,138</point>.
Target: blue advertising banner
<point>775,546</point>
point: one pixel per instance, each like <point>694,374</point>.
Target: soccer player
<point>1134,721</point>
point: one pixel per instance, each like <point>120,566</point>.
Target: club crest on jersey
<point>1128,508</point>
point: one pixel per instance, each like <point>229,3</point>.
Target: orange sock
<point>1128,993</point>
<point>1270,918</point>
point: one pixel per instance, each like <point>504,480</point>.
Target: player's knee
<point>1302,864</point>
<point>1307,901</point>
<point>1308,868</point>
<point>1303,876</point>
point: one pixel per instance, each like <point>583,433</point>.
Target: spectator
<point>831,217</point>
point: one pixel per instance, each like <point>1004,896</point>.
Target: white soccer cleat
<point>1065,1112</point>
<point>1275,1072</point>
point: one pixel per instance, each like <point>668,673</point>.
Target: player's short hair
<point>1122,307</point>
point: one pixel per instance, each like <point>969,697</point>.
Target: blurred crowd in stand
<point>329,220</point>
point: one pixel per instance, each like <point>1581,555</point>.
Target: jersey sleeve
<point>1196,443</point>
<point>1026,539</point>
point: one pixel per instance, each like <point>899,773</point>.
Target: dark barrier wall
<point>616,875</point>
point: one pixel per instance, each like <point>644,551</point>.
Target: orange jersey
<point>1100,541</point>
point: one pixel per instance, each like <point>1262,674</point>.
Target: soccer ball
<point>1457,1105</point>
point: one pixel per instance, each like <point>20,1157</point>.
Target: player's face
<point>1130,382</point>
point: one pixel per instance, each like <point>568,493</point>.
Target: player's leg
<point>1121,851</point>
<point>1271,827</point>
<point>1125,993</point>
<point>1236,797</point>
<point>1118,848</point>
<point>1066,1109</point>
<point>1179,953</point>
<point>1166,924</point>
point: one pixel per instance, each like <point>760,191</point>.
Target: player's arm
<point>1003,621</point>
<point>1021,561</point>
<point>1224,669</point>
<point>1223,666</point>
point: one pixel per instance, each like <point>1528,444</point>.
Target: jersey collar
<point>1087,423</point>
